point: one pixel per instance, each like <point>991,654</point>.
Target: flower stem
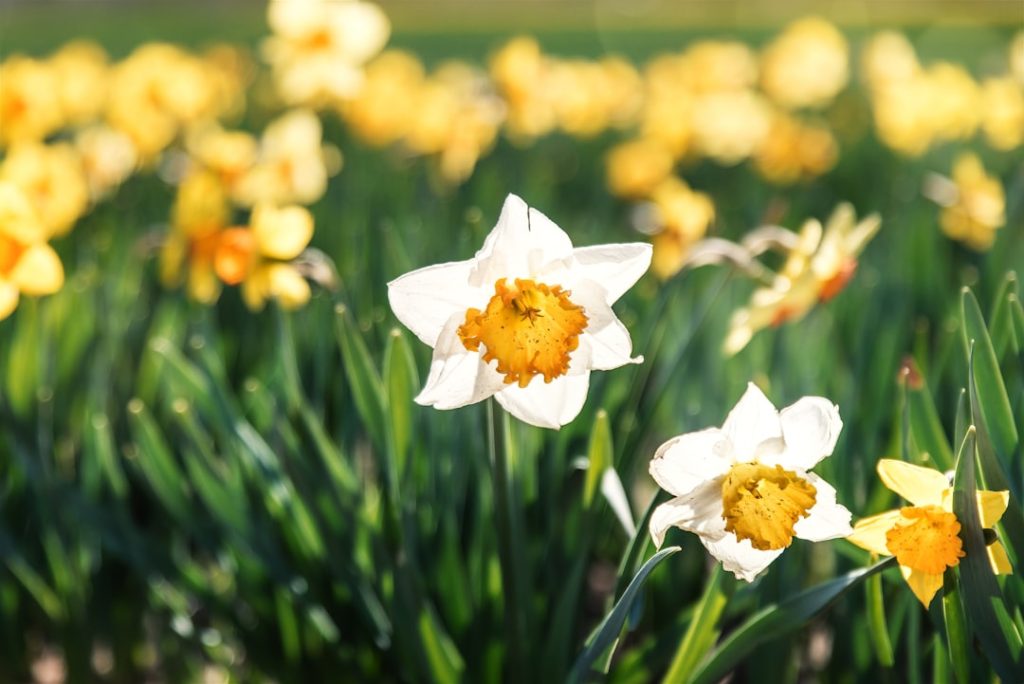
<point>509,551</point>
<point>702,632</point>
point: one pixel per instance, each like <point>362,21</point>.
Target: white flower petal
<point>752,422</point>
<point>547,404</point>
<point>457,375</point>
<point>606,339</point>
<point>699,511</point>
<point>496,258</point>
<point>739,557</point>
<point>685,462</point>
<point>810,428</point>
<point>616,267</point>
<point>826,519</point>
<point>548,242</point>
<point>425,299</point>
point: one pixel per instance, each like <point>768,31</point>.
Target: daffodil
<point>744,489</point>
<point>806,65</point>
<point>526,320</point>
<point>199,216</point>
<point>681,217</point>
<point>816,270</point>
<point>973,203</point>
<point>53,180</point>
<point>257,257</point>
<point>30,106</point>
<point>925,536</point>
<point>108,158</point>
<point>28,265</point>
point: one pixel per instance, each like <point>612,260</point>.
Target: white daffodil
<point>744,488</point>
<point>525,320</point>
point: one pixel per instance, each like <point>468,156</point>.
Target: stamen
<point>529,329</point>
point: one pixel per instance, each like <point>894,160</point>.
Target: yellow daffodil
<point>521,73</point>
<point>729,126</point>
<point>744,489</point>
<point>816,270</point>
<point>318,47</point>
<point>257,257</point>
<point>636,167</point>
<point>1017,57</point>
<point>526,320</point>
<point>805,66</point>
<point>382,112</point>
<point>1002,112</point>
<point>28,266</point>
<point>291,166</point>
<point>229,154</point>
<point>794,150</point>
<point>925,536</point>
<point>681,217</point>
<point>30,106</point>
<point>200,214</point>
<point>82,74</point>
<point>108,158</point>
<point>974,204</point>
<point>53,180</point>
<point>457,120</point>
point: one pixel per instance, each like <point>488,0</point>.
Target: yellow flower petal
<point>38,271</point>
<point>920,486</point>
<point>1000,561</point>
<point>8,298</point>
<point>869,533</point>
<point>282,233</point>
<point>923,584</point>
<point>992,505</point>
<point>288,286</point>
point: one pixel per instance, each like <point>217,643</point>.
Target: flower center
<point>236,248</point>
<point>763,503</point>
<point>926,539</point>
<point>10,251</point>
<point>529,329</point>
<point>834,285</point>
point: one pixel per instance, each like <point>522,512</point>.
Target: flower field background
<point>216,471</point>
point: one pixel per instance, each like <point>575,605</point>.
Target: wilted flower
<point>28,265</point>
<point>528,302</point>
<point>973,205</point>
<point>816,270</point>
<point>925,536</point>
<point>807,65</point>
<point>744,489</point>
<point>318,47</point>
<point>52,178</point>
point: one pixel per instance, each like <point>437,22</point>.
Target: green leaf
<point>703,629</point>
<point>401,384</point>
<point>993,403</point>
<point>1001,328</point>
<point>599,456</point>
<point>636,548</point>
<point>957,637</point>
<point>156,461</point>
<point>924,419</point>
<point>987,612</point>
<point>876,621</point>
<point>779,620</point>
<point>363,379</point>
<point>607,634</point>
<point>446,665</point>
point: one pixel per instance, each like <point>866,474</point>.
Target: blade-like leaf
<point>607,633</point>
<point>599,456</point>
<point>779,620</point>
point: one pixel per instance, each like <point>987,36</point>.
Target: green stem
<point>701,634</point>
<point>508,550</point>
